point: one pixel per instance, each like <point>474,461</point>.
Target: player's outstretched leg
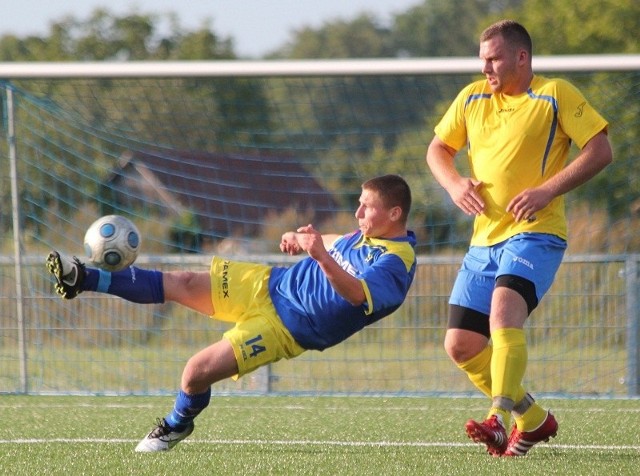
<point>491,432</point>
<point>520,442</point>
<point>163,437</point>
<point>69,274</point>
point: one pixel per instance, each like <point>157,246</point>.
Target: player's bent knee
<point>467,333</point>
<point>462,345</point>
<point>454,350</point>
<point>210,365</point>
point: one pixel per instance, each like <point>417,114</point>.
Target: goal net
<point>223,157</point>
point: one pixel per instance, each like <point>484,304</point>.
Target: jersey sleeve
<point>579,120</point>
<point>452,128</point>
<point>386,283</point>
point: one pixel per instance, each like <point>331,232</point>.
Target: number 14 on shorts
<point>255,345</point>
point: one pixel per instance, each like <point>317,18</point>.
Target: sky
<point>257,27</point>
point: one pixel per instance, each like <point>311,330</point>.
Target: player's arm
<point>464,191</point>
<point>594,156</point>
<point>289,242</point>
<point>308,239</point>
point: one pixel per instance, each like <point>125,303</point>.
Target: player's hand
<point>306,238</point>
<point>289,243</point>
<point>466,195</point>
<point>310,240</point>
<point>525,205</point>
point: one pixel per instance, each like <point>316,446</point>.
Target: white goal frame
<point>313,68</point>
<point>358,67</point>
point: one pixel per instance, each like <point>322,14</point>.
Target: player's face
<point>500,65</point>
<point>374,219</point>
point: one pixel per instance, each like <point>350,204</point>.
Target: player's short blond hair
<point>513,32</point>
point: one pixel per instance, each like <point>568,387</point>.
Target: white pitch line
<point>377,444</point>
<point>374,409</point>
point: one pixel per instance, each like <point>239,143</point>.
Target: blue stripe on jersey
<point>475,97</point>
<point>554,123</point>
<point>316,315</point>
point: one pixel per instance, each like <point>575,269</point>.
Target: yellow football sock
<point>478,369</point>
<point>531,419</point>
<point>508,365</point>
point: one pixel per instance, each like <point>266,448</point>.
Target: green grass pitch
<point>299,435</point>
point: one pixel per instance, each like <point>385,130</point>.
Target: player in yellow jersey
<point>518,128</point>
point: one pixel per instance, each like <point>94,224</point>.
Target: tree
<point>104,36</point>
<point>581,26</point>
<point>451,28</point>
<point>362,37</point>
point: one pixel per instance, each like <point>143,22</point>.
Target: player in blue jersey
<point>344,284</point>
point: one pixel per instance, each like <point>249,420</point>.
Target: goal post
<point>221,157</point>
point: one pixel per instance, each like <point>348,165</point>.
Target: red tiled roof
<point>230,194</point>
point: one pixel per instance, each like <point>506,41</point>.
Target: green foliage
<point>432,28</point>
<point>581,26</point>
<point>104,36</point>
<point>450,28</point>
<point>358,38</point>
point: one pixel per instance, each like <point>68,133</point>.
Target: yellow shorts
<point>240,294</point>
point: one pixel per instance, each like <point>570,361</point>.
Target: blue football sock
<point>186,408</point>
<point>137,285</point>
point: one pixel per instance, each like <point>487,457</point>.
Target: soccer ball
<point>112,242</point>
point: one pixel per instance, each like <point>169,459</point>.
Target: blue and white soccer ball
<point>112,242</point>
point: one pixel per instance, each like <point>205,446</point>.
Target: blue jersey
<point>316,315</point>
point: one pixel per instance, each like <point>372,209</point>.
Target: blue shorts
<point>532,256</point>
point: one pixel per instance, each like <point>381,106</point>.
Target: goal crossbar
<point>354,67</point>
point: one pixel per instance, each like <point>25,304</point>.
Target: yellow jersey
<point>515,143</point>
